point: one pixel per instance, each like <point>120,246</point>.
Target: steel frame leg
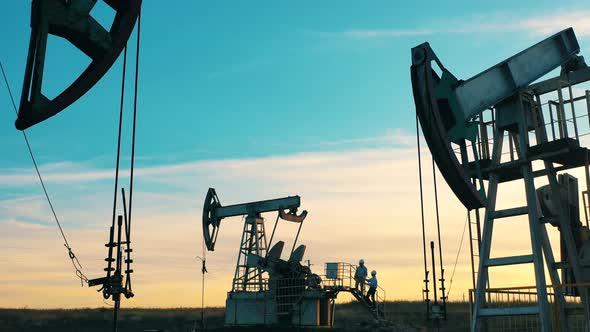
<point>536,243</point>
<point>539,240</point>
<point>486,241</point>
<point>566,232</point>
<point>555,280</point>
<point>534,222</point>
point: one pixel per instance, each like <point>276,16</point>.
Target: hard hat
<point>373,273</point>
<point>361,261</point>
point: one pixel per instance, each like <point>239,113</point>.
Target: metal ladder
<point>539,239</point>
<point>377,312</point>
<point>474,243</point>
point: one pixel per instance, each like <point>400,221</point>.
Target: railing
<point>561,111</point>
<point>239,286</point>
<point>339,276</point>
<point>527,296</point>
<point>289,292</point>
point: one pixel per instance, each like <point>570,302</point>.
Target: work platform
<point>296,302</point>
<point>566,152</point>
<point>339,277</point>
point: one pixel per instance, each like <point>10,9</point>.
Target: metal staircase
<point>474,243</point>
<point>339,277</point>
<point>376,311</point>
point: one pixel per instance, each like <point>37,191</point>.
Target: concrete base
<point>259,308</point>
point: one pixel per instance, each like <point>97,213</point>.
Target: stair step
<point>518,211</point>
<point>494,312</point>
<point>510,260</point>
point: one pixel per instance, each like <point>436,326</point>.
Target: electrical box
<point>332,270</point>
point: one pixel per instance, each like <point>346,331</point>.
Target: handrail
<point>343,280</point>
<point>380,290</point>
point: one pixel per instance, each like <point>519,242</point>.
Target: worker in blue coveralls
<point>360,275</point>
<point>372,289</point>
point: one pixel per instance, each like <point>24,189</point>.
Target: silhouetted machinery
<point>72,21</point>
<point>266,289</point>
<point>534,122</point>
<point>569,197</point>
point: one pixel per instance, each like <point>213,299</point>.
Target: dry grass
<point>401,316</point>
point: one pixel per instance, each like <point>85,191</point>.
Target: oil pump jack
<point>268,290</point>
<point>73,21</point>
<point>456,117</point>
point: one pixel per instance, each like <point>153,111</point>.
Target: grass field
<point>401,316</point>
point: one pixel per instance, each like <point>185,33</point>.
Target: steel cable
<point>121,110</point>
<point>457,257</point>
<point>71,254</point>
<point>422,209</point>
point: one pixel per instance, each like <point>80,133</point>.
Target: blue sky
<point>228,79</point>
<point>260,99</point>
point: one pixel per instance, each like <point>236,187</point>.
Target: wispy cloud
<point>549,23</point>
<point>541,24</point>
<point>367,200</point>
<point>393,137</point>
<point>341,190</point>
<point>24,225</point>
<point>83,172</point>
